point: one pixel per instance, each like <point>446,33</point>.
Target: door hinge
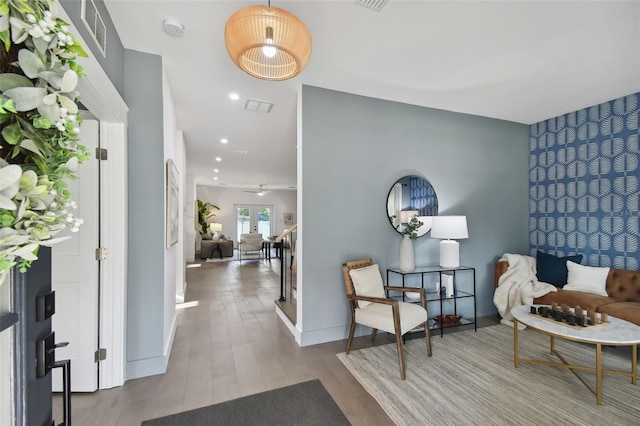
<point>101,354</point>
<point>101,154</point>
<point>101,253</point>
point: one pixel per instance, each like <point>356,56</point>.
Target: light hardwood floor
<point>230,345</point>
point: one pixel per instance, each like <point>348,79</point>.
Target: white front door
<point>75,273</point>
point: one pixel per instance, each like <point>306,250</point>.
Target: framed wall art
<point>173,203</point>
<point>288,218</point>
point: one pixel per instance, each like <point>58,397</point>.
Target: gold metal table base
<point>575,368</point>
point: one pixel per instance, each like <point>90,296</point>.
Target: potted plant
<point>205,212</point>
<point>411,228</point>
<point>407,256</point>
<point>39,126</point>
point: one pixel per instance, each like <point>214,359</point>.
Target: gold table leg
<point>634,364</point>
<point>599,373</point>
<point>598,370</point>
<point>515,343</point>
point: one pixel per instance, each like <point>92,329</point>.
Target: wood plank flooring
<point>229,345</point>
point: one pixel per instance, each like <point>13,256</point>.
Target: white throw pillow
<point>367,281</point>
<point>589,279</point>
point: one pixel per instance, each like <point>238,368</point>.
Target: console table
<point>463,289</point>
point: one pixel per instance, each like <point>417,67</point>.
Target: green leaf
<point>12,133</point>
<point>5,37</point>
<point>28,144</point>
<point>76,48</point>
<point>41,163</point>
<point>52,77</point>
<point>69,81</point>
<point>4,10</point>
<point>11,81</point>
<point>50,112</point>
<point>8,106</point>
<point>26,98</point>
<point>6,219</point>
<point>68,104</point>
<point>40,45</point>
<point>6,203</point>
<point>30,63</point>
<point>41,122</point>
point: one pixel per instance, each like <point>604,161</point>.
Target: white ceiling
<point>513,60</point>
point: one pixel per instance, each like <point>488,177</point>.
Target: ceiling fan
<point>260,191</point>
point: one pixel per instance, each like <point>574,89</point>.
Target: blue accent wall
<point>583,184</point>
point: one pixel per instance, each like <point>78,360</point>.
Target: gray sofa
<point>220,248</point>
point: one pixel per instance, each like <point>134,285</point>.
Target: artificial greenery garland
<point>39,143</point>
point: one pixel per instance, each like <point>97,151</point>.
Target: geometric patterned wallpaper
<point>584,174</point>
<point>422,197</point>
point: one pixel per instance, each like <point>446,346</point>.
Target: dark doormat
<point>306,403</point>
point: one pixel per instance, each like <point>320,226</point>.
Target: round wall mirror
<point>412,196</point>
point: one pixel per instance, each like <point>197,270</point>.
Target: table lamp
<point>215,228</point>
<point>449,228</point>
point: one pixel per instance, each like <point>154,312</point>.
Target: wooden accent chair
<point>371,307</point>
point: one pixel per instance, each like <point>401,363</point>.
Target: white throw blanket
<point>518,285</point>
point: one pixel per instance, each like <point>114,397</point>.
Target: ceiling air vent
<point>376,5</point>
<point>94,23</point>
<point>257,106</point>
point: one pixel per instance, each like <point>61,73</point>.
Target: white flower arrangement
<point>39,144</point>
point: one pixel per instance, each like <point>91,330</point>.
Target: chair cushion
<point>589,279</point>
<point>367,281</point>
<point>377,315</point>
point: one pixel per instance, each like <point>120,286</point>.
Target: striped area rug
<point>471,380</point>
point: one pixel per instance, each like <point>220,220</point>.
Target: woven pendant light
<point>267,42</point>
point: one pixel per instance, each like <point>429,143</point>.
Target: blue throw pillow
<point>553,269</point>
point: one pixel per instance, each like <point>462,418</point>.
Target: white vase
<point>407,258</point>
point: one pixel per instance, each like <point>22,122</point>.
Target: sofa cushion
<point>573,298</point>
<point>590,279</point>
<point>628,311</point>
<point>553,269</point>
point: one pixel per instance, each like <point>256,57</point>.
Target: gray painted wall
<point>354,148</point>
<point>112,64</point>
<point>145,294</point>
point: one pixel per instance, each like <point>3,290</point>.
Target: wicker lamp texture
<point>247,31</point>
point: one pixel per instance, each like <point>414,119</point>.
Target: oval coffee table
<point>616,333</point>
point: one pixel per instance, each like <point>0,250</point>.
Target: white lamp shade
<point>449,227</point>
<point>406,215</point>
<point>215,227</point>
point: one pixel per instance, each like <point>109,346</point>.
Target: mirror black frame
<point>422,197</point>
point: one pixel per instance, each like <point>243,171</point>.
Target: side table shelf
<point>462,290</point>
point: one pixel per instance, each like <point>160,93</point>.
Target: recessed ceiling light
<point>224,140</point>
<point>234,96</point>
<point>218,159</point>
<point>215,178</point>
<point>215,170</point>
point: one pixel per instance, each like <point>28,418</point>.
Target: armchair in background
<point>250,243</point>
